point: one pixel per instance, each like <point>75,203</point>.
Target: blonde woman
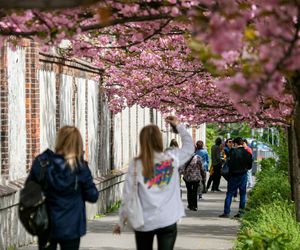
<point>158,189</point>
<point>68,184</point>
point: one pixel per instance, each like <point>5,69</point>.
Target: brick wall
<point>34,62</point>
<point>4,114</point>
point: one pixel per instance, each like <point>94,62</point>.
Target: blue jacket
<point>204,156</point>
<point>66,192</point>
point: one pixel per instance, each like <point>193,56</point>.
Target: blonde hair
<point>150,141</point>
<point>69,144</point>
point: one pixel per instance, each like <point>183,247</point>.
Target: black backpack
<point>32,207</point>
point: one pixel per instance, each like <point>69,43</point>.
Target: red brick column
<point>58,83</point>
<point>32,102</point>
<point>86,122</point>
<point>4,112</point>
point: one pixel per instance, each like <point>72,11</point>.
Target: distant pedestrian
<point>216,164</point>
<point>239,162</point>
<point>69,183</point>
<point>193,174</point>
<point>173,144</point>
<point>228,147</point>
<point>156,173</point>
<point>249,174</point>
<point>202,152</point>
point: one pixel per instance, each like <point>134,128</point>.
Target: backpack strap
<point>188,163</point>
<point>44,164</point>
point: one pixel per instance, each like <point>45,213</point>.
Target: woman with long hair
<point>156,173</point>
<point>68,183</point>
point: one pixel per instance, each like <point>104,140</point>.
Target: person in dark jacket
<point>68,184</point>
<point>240,161</point>
<point>216,162</point>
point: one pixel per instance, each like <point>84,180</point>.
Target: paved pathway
<point>198,230</point>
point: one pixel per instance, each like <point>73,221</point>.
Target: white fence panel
<point>16,113</point>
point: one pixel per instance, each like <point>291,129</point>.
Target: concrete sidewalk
<point>198,230</point>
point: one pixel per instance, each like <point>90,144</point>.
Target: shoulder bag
<point>134,208</point>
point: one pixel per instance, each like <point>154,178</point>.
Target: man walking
<point>216,162</point>
<point>240,161</point>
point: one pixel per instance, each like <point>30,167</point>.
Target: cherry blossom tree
<point>207,60</point>
<point>252,47</point>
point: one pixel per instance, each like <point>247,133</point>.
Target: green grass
<point>113,208</point>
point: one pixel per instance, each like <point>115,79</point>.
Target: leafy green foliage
<point>272,185</point>
<point>114,207</point>
<point>269,222</point>
<point>234,129</point>
<point>270,226</point>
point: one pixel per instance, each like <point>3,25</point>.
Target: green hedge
<point>271,185</point>
<point>269,221</point>
<point>271,226</point>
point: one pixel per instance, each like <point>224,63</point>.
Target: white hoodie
<point>160,196</point>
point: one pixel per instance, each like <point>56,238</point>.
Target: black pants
<point>210,179</point>
<point>192,191</point>
<point>216,177</point>
<point>166,238</point>
<point>64,244</point>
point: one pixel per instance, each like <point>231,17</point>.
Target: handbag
<point>134,207</point>
<point>225,170</point>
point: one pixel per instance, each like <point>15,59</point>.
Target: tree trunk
<point>112,141</point>
<point>294,143</point>
<point>296,158</point>
<point>291,163</point>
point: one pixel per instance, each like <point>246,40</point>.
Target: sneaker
<point>194,209</point>
<point>237,216</point>
<point>224,216</point>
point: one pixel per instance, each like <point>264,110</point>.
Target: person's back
<point>204,157</point>
<point>240,161</point>
<point>160,194</point>
<point>216,164</point>
<point>158,187</point>
<point>216,155</point>
<point>192,172</point>
<point>66,186</point>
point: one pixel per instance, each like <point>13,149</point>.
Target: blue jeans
<point>249,179</point>
<point>235,183</point>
